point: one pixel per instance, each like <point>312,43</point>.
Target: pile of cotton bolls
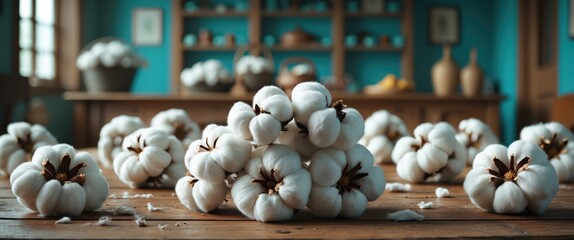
<point>254,65</point>
<point>210,73</point>
<point>283,154</point>
<point>151,156</point>
<point>109,54</point>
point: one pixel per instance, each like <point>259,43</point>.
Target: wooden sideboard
<point>93,110</point>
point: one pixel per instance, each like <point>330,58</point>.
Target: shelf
<point>210,49</point>
<point>373,49</point>
<point>213,13</point>
<point>369,14</point>
<point>311,47</point>
<point>292,13</point>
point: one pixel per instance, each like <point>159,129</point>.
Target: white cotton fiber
<point>425,205</point>
<point>405,215</point>
<point>398,187</point>
<point>442,192</point>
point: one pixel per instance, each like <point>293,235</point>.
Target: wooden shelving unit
<point>293,13</point>
<point>212,13</point>
<point>255,15</point>
<point>209,49</point>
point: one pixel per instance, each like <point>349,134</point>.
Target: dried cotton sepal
<point>178,123</point>
<point>263,122</point>
<point>338,126</point>
<point>112,134</point>
<point>433,154</point>
<point>217,155</point>
<point>474,135</point>
<point>20,143</point>
<point>558,143</point>
<point>512,180</point>
<point>274,186</point>
<point>382,131</point>
<point>307,98</point>
<point>150,157</point>
<point>297,137</point>
<point>60,182</point>
<point>343,182</point>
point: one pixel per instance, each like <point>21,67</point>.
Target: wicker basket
<point>107,79</point>
<point>253,82</point>
<point>287,79</point>
<point>203,87</point>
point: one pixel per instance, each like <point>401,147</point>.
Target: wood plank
<point>255,230</point>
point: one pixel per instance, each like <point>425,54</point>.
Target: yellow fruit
<point>404,84</point>
<point>389,82</point>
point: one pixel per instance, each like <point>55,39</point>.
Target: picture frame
<point>147,26</point>
<point>444,25</point>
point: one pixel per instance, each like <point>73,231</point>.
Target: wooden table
<point>453,217</point>
<point>93,110</point>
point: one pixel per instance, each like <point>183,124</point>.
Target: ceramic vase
<point>445,74</point>
<point>471,76</point>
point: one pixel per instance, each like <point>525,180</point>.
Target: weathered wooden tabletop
<point>452,217</point>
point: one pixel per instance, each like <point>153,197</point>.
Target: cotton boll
<point>36,187</point>
<point>402,147</point>
<point>301,69</point>
<point>270,208</point>
<point>198,195</point>
<point>408,169</point>
<point>524,180</point>
<point>108,59</point>
<point>298,139</point>
<point>204,167</point>
<point>98,48</point>
<point>326,165</point>
<point>508,199</point>
<point>264,129</point>
<point>534,133</point>
<point>117,129</point>
<point>373,185</point>
<point>352,129</point>
<point>309,97</point>
<point>325,202</point>
<point>296,189</point>
<point>324,127</point>
<point>239,119</point>
<point>277,106</point>
<point>354,204</point>
<point>273,185</point>
<point>245,194</point>
<point>430,159</point>
<point>381,148</point>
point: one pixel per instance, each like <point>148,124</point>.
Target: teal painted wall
<point>6,36</point>
<point>504,62</point>
<point>475,31</point>
<point>113,18</point>
<point>565,51</point>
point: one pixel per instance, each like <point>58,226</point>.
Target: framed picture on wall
<point>147,26</point>
<point>444,25</point>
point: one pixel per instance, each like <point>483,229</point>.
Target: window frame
<point>67,33</point>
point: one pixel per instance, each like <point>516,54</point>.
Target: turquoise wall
<point>6,37</point>
<point>565,51</point>
<point>504,62</point>
<point>113,18</point>
<point>475,31</point>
